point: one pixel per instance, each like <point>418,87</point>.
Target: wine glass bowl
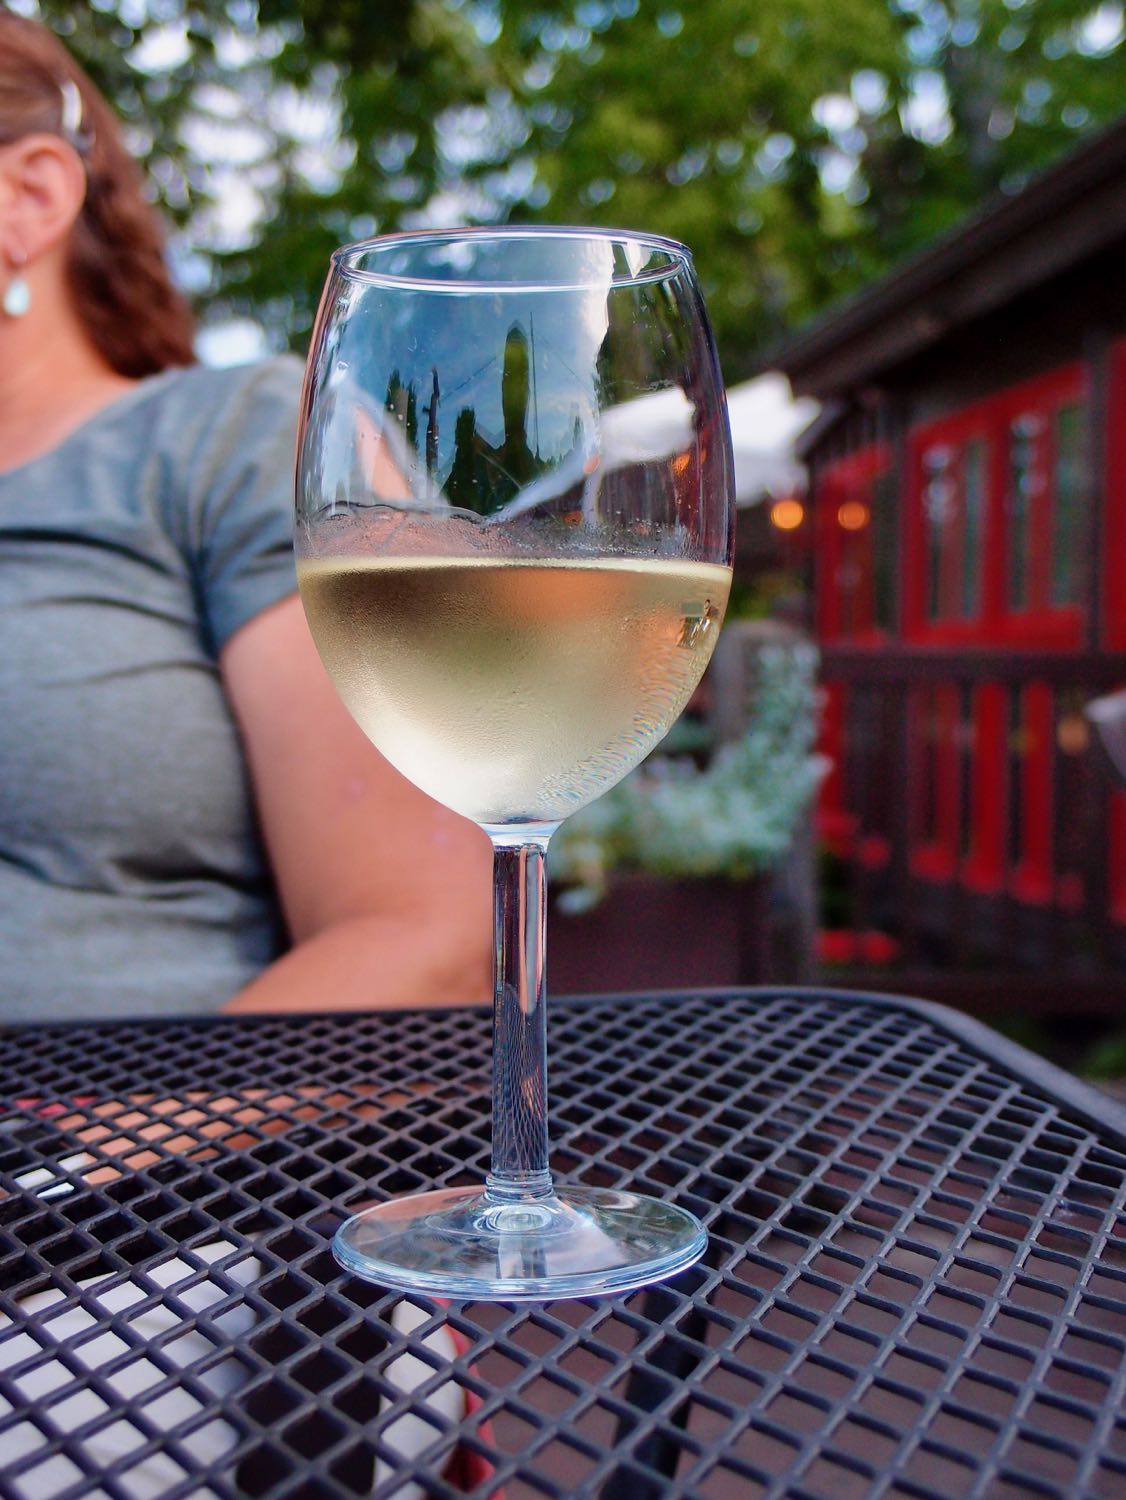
<point>514,534</point>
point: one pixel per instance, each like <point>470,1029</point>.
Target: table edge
<point>1098,1108</point>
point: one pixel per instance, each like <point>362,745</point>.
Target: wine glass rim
<point>346,260</point>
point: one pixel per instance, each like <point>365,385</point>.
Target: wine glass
<point>514,538</point>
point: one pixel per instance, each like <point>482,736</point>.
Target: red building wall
<point>982,544</point>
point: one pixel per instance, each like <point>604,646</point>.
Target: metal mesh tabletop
<point>915,1284</point>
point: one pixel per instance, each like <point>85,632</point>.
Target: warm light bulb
<point>787,515</point>
<point>853,515</point>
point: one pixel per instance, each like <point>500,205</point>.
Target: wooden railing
<point>976,851</point>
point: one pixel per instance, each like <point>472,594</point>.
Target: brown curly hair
<point>132,312</point>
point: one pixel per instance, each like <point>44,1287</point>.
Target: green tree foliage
<point>280,128</point>
<point>802,148</point>
<point>799,148</point>
<point>697,120</point>
<point>1022,81</point>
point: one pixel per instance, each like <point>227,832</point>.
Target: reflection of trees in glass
<point>514,457</point>
<point>402,402</point>
<point>630,366</point>
<point>485,475</point>
<point>486,467</point>
<point>432,427</point>
<point>396,398</point>
<point>463,487</point>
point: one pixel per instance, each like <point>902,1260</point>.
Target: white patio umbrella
<point>766,421</point>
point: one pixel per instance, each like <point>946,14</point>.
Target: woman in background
<point>189,820</point>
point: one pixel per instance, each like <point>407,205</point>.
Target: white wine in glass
<point>514,535</point>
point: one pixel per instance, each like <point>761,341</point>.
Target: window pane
<point>884,492</point>
<point>1024,482</point>
<point>939,509</point>
<point>1067,517</point>
<point>954,499</point>
<point>973,510</point>
<point>854,518</point>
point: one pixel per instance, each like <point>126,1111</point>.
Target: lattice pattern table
<point>915,1286</point>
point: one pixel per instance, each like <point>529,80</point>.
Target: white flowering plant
<point>733,819</point>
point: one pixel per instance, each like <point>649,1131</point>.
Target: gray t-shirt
<point>132,876</point>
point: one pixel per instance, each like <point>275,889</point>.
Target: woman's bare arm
<point>386,894</point>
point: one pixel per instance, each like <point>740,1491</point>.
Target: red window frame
<point>997,622</point>
<point>1114,530</point>
<point>835,824</point>
<point>974,777</point>
<point>1032,879</point>
<point>984,865</point>
<point>935,719</point>
<point>960,830</point>
<point>849,479</point>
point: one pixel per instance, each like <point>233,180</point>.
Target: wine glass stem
<point>519,1172</point>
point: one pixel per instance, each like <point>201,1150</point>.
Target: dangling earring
<point>17,297</point>
<point>17,294</point>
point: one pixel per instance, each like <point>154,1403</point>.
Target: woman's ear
<point>42,190</point>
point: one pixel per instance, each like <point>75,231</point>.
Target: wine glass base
<point>460,1244</point>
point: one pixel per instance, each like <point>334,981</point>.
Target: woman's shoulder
<point>222,394</point>
<point>204,422</point>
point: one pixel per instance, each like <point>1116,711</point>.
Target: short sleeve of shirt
<point>241,498</point>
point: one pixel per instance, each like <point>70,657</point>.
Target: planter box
<point>652,934</point>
